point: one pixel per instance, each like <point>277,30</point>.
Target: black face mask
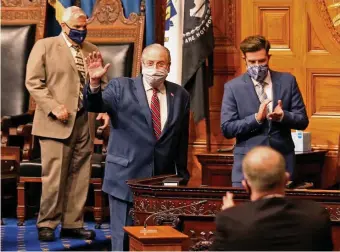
<point>76,35</point>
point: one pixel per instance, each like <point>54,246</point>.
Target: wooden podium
<point>155,238</point>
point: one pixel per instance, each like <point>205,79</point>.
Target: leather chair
<point>120,41</point>
<point>14,101</point>
<point>15,98</point>
<point>22,23</point>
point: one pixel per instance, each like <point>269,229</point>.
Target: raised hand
<point>94,64</point>
<point>277,114</point>
<point>228,201</point>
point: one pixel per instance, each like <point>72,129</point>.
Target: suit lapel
<point>170,97</point>
<point>250,88</point>
<point>276,85</point>
<point>65,51</point>
<point>141,96</point>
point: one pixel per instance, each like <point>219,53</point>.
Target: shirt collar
<point>147,87</point>
<point>68,43</point>
<point>266,80</point>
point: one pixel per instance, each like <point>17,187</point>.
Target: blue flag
<point>134,6</point>
<point>87,6</point>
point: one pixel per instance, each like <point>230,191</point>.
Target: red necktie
<point>156,114</point>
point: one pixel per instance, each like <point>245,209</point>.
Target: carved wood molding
<point>108,11</point>
<point>334,212</point>
<point>328,20</point>
<point>21,12</point>
<point>201,241</point>
<point>227,37</point>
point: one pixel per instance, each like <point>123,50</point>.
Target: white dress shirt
<point>73,51</point>
<point>268,89</point>
<point>163,103</point>
<point>162,100</point>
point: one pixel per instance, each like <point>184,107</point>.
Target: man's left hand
<point>277,114</point>
<point>105,118</point>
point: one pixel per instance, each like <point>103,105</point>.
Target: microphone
<point>173,209</point>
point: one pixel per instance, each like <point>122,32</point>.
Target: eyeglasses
<point>159,64</point>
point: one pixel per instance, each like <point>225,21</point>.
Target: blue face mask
<point>76,35</point>
<point>258,72</point>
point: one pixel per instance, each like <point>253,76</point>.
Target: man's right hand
<point>228,201</point>
<point>262,113</point>
<point>94,64</point>
<point>61,113</point>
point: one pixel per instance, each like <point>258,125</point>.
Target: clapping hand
<point>277,114</point>
<point>94,63</point>
<point>262,113</point>
<point>228,201</point>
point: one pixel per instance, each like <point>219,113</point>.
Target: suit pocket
<point>117,160</point>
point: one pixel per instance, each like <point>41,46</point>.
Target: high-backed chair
<point>22,23</point>
<point>120,41</point>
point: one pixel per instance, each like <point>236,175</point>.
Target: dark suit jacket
<point>274,224</point>
<point>133,151</point>
<point>239,105</point>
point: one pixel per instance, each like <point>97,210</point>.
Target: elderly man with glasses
<point>149,129</point>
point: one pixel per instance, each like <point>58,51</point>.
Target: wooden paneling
<point>325,93</point>
<point>313,56</point>
<point>304,43</point>
<point>274,24</point>
<point>314,43</point>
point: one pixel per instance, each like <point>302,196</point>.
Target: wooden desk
<point>155,238</point>
<point>198,221</point>
<point>217,166</point>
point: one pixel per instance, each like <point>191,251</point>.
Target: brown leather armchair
<point>120,41</point>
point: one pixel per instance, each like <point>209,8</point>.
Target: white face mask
<point>154,77</point>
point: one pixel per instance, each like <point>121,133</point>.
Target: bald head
<point>156,51</point>
<point>264,169</point>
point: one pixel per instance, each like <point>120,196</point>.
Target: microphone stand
<point>169,210</point>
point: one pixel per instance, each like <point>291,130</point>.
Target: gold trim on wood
<point>328,20</point>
